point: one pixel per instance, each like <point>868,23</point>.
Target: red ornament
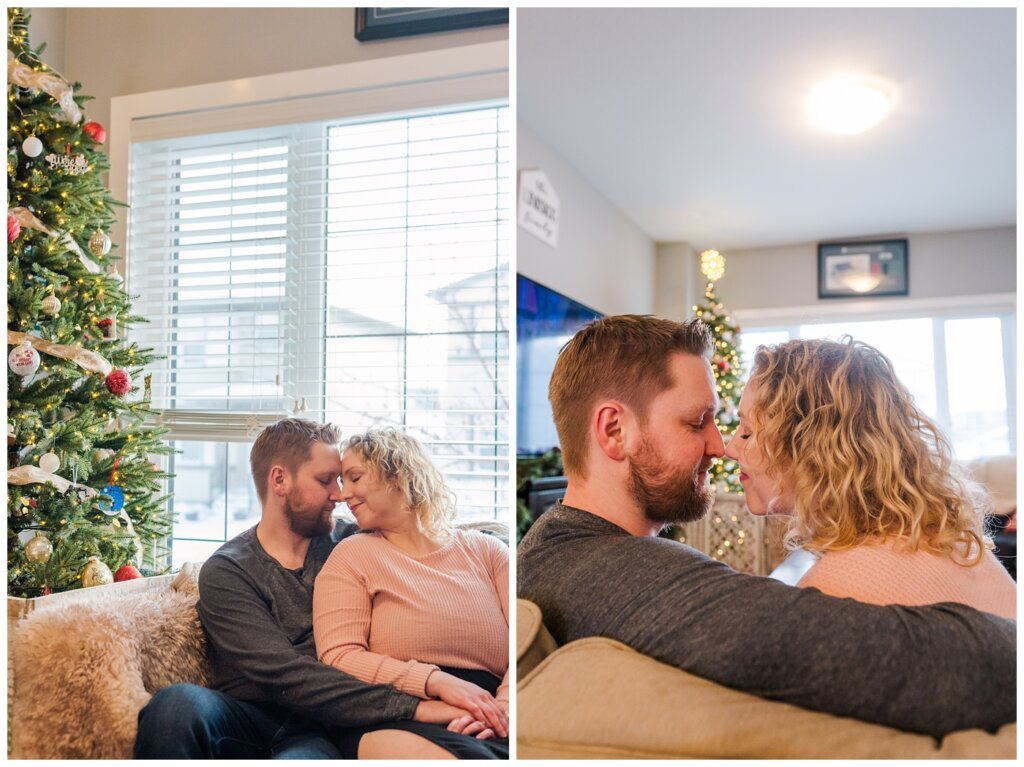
<point>119,382</point>
<point>126,573</point>
<point>13,228</point>
<point>723,366</point>
<point>95,131</point>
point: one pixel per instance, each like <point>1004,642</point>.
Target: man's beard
<point>666,497</point>
<point>308,522</point>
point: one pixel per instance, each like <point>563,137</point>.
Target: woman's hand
<point>468,725</point>
<point>466,695</point>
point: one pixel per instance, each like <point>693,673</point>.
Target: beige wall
<point>941,265</point>
<point>120,51</point>
<point>602,259</point>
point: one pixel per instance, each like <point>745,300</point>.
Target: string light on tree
<point>725,364</point>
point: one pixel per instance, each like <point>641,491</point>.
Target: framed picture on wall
<point>381,23</point>
<point>871,268</point>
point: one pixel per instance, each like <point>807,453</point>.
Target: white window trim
<point>470,73</point>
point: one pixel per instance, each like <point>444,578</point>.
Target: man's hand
<point>467,696</point>
<point>437,712</point>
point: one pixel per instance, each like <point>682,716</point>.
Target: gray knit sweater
<point>931,670</point>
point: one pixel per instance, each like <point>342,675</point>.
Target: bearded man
<point>270,696</point>
<point>634,403</point>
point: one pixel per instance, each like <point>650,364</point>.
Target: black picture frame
<point>863,268</point>
<point>382,23</point>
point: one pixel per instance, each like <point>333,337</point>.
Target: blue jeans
<point>186,721</point>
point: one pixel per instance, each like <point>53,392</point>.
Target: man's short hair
<point>287,443</point>
<point>622,357</point>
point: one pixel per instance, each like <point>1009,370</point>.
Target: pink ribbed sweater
<point>387,617</point>
<point>883,575</point>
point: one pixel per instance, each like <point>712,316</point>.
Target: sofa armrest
<point>85,670</point>
<point>533,641</point>
<point>597,698</point>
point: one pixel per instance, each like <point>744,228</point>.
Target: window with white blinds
<point>354,271</point>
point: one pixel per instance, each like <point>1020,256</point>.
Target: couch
<point>81,665</point>
<point>595,698</point>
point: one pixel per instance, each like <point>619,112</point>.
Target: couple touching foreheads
<point>829,437</point>
<point>327,644</point>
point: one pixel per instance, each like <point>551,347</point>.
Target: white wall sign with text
<point>538,206</point>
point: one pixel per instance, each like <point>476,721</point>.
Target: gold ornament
<point>51,306</point>
<point>96,573</point>
<point>99,243</point>
<point>39,548</point>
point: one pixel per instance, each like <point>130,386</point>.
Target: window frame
<point>472,75</point>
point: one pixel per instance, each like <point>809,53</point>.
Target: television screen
<point>545,321</point>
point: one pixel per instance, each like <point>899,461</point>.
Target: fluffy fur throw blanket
<point>85,670</point>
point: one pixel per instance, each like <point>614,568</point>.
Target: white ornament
<point>99,243</point>
<point>73,166</point>
<point>51,306</point>
<point>23,360</point>
<point>32,146</point>
<point>49,463</point>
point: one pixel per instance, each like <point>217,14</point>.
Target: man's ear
<point>611,424</point>
<point>278,480</point>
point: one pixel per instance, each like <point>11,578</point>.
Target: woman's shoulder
<point>356,544</point>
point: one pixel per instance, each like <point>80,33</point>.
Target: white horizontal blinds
<point>353,271</point>
<point>417,258</point>
<point>209,238</point>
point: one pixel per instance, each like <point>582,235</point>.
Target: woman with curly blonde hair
<point>415,602</point>
<point>829,436</point>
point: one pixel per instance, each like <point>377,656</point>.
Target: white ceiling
<point>691,120</point>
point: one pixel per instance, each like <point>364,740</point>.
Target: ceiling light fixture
<point>850,105</point>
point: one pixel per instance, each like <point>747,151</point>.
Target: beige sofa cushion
<point>533,641</point>
<point>598,698</point>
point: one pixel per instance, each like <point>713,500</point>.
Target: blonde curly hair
<point>859,458</point>
<point>401,461</point>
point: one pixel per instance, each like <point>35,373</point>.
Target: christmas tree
<point>725,363</point>
<point>81,481</point>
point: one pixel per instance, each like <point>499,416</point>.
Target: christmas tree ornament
<point>72,165</point>
<point>119,382</point>
<point>23,360</point>
<point>13,228</point>
<point>96,573</point>
<point>32,146</point>
<point>101,454</point>
<point>51,306</point>
<point>39,548</point>
<point>99,243</point>
<point>49,463</point>
<point>108,327</point>
<point>126,573</point>
<point>95,131</point>
<point>11,434</point>
<point>116,503</point>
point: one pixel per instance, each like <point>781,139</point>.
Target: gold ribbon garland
<point>87,360</point>
<point>33,475</point>
<point>50,83</point>
<point>27,219</point>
